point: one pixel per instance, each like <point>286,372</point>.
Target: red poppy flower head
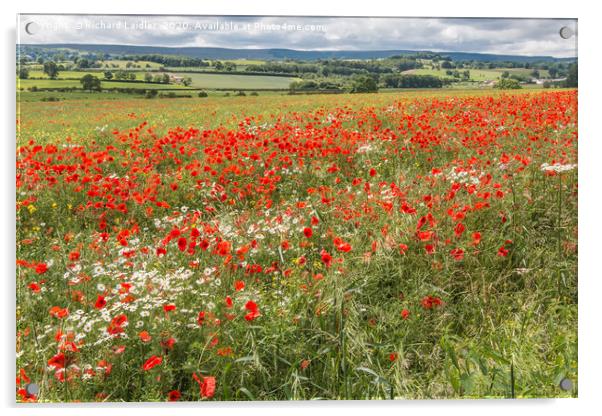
<point>174,396</point>
<point>100,302</point>
<point>152,362</point>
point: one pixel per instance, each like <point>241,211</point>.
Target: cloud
<point>485,35</point>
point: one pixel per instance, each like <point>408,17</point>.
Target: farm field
<point>78,74</point>
<point>68,79</point>
<point>74,83</point>
<point>476,74</point>
<point>226,81</point>
<point>400,245</point>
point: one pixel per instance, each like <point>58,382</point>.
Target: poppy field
<point>353,246</point>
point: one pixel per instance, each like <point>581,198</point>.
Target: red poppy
<point>253,311</point>
<point>116,325</point>
<point>57,361</point>
<point>174,396</point>
<point>168,343</point>
<point>457,254</point>
<point>431,302</point>
<point>201,318</point>
<point>326,258</point>
<point>152,362</point>
<point>206,386</point>
<point>145,336</point>
<point>459,229</point>
<point>34,287</point>
<point>58,312</point>
<point>403,248</point>
<point>308,232</point>
<point>100,302</point>
<point>41,268</point>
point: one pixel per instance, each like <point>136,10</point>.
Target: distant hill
<point>281,54</point>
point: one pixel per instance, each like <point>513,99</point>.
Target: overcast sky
<point>500,36</point>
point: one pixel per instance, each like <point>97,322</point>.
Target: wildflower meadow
<point>366,246</point>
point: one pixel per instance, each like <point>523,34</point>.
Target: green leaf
<point>247,393</point>
<point>467,382</point>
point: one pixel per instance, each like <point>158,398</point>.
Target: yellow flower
<point>31,209</point>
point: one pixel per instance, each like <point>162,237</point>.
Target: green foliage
<point>22,72</point>
<point>363,84</point>
<point>90,83</point>
<point>151,93</point>
<point>412,81</point>
<point>572,79</point>
<point>51,69</point>
<point>507,84</point>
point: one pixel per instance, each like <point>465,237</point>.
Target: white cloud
<point>506,36</point>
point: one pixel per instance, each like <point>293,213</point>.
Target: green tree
<point>121,75</point>
<point>151,93</point>
<point>572,78</point>
<point>165,78</point>
<point>90,83</point>
<point>507,84</point>
<point>51,69</point>
<point>148,77</point>
<point>83,63</point>
<point>364,83</point>
<point>108,75</point>
<point>23,72</point>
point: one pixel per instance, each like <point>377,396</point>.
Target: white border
<point>590,132</point>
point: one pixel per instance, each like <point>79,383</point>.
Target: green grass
<point>212,81</point>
